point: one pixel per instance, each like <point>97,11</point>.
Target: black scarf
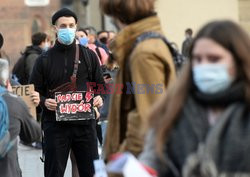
<point>224,148</point>
<point>223,98</point>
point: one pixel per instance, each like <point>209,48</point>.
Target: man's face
<point>66,30</point>
<point>65,22</point>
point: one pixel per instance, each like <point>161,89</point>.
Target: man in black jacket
<point>51,70</point>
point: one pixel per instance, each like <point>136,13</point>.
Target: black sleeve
<point>38,79</point>
<point>30,128</point>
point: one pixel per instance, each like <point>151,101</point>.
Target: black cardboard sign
<point>73,106</point>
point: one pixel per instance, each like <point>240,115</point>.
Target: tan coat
<point>149,63</point>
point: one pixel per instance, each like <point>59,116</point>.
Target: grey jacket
<point>22,124</point>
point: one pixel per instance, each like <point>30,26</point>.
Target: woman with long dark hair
<point>202,127</point>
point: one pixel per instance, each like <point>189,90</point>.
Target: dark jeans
<point>59,138</point>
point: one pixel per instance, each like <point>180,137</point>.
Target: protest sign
<point>72,106</point>
<point>24,91</point>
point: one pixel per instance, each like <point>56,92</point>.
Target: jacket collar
<point>61,46</point>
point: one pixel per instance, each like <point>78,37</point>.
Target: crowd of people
<point>189,120</point>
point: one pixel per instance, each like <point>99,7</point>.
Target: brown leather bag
<point>68,86</point>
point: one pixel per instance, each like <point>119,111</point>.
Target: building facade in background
<point>20,18</point>
<point>18,22</point>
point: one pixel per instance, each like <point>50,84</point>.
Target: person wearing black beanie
<point>76,66</point>
<point>64,12</point>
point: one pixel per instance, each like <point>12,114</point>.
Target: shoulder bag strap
<point>76,64</point>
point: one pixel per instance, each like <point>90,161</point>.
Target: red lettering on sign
<point>77,96</point>
<point>63,109</point>
<point>88,96</point>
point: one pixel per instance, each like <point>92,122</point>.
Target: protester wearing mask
<point>201,128</point>
<point>83,39</point>
<point>40,44</point>
<point>53,69</point>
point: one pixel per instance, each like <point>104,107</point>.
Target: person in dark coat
<point>187,42</point>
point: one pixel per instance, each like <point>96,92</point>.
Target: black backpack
<point>19,69</point>
<point>179,59</point>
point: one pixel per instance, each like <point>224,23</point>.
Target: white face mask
<point>46,46</point>
<point>211,78</point>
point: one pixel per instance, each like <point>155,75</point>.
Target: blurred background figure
<point>2,53</point>
<point>85,39</point>
<point>187,42</point>
<point>110,70</point>
<point>24,66</point>
<point>201,127</point>
<point>103,36</point>
<point>92,34</point>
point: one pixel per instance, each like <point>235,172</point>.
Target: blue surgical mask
<point>66,35</point>
<point>84,41</point>
<point>211,78</point>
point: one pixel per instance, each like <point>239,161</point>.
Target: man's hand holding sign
<point>70,106</point>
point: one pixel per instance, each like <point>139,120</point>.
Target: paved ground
<point>31,165</point>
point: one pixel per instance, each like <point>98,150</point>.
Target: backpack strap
<point>178,58</point>
<point>76,64</point>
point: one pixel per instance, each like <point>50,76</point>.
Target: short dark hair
<point>83,30</point>
<point>128,11</point>
<point>189,31</point>
<point>90,30</point>
<point>102,31</point>
<point>38,38</point>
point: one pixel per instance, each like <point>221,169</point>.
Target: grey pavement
<point>30,163</point>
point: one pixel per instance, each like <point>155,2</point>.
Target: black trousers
<point>59,138</point>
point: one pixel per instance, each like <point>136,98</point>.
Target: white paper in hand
<point>127,165</point>
<point>116,166</point>
<point>133,168</point>
<point>100,168</point>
